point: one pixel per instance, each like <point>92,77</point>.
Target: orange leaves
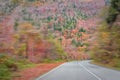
<point>74,31</point>
<point>37,3</point>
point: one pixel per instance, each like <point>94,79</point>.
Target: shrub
<point>7,65</point>
<point>4,72</point>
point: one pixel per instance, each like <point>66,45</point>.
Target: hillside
<point>69,21</point>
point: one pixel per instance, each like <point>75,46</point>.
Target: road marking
<point>90,72</point>
<point>49,72</point>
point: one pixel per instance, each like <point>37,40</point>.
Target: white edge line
<point>49,72</point>
<point>90,72</point>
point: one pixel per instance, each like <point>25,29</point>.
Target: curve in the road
<point>98,78</point>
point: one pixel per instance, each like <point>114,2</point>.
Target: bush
<point>8,62</point>
<point>115,62</point>
<point>4,72</point>
<point>7,65</point>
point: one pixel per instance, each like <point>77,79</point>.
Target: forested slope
<point>69,21</point>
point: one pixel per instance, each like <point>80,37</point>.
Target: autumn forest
<point>43,32</point>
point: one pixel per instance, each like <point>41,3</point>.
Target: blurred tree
<point>114,10</point>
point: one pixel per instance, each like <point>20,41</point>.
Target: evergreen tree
<point>114,10</point>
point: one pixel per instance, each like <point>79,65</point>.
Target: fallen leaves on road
<point>34,72</point>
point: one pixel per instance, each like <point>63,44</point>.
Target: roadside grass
<point>24,65</point>
<point>9,66</point>
<point>106,65</point>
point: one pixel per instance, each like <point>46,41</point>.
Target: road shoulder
<point>34,72</point>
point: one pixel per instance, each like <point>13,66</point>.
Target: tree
<point>114,10</point>
<point>21,39</point>
<point>106,48</point>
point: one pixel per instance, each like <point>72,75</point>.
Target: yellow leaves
<point>16,36</point>
<point>104,37</point>
<point>21,50</point>
<point>104,34</point>
<point>25,26</point>
<point>81,48</point>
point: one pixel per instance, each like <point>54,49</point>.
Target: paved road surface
<point>81,70</point>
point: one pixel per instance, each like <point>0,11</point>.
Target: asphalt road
<point>80,70</point>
